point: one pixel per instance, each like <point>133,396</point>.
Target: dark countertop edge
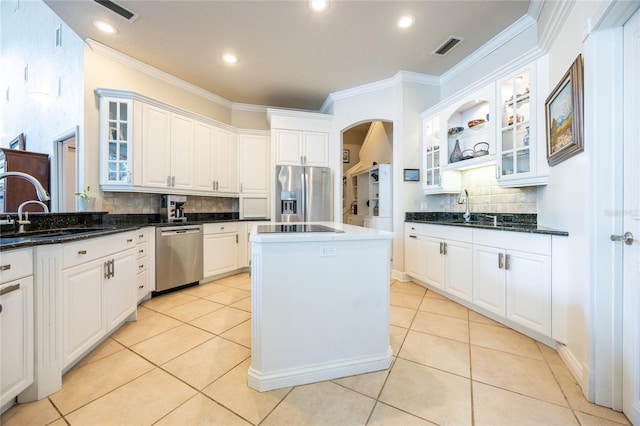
<point>9,244</point>
<point>526,228</point>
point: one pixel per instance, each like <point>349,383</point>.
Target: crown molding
<point>398,78</point>
<point>120,57</point>
<point>558,12</point>
<point>612,13</point>
<point>495,43</point>
<point>249,107</point>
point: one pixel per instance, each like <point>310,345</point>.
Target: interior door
<point>631,256</point>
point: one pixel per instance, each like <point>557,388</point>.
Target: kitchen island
<point>320,303</point>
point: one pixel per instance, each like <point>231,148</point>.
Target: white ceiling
<point>288,55</point>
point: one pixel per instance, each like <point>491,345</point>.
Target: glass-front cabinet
<point>436,181</point>
<point>116,131</point>
<point>518,144</point>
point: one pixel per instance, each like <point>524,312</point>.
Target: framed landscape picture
<point>564,116</point>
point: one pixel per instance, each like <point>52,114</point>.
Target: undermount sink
<point>55,232</point>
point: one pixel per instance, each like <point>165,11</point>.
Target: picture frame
<point>346,155</point>
<point>564,113</point>
<point>18,142</point>
<point>412,175</point>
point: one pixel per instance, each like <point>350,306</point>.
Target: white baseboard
<point>264,381</point>
<point>579,371</point>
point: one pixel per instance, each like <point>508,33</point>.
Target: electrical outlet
<point>326,251</point>
<point>424,206</point>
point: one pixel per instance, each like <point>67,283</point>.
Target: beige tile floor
<point>185,361</point>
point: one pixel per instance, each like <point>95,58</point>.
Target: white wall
<point>39,117</point>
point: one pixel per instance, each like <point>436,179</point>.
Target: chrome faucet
<point>42,193</point>
<point>26,220</point>
<point>464,198</point>
<point>494,218</point>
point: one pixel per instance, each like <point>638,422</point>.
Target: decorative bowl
<point>455,130</point>
<point>477,122</point>
<point>468,153</point>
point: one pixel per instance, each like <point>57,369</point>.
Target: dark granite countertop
<point>81,226</point>
<point>505,221</point>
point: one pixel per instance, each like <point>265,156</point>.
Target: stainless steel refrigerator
<point>303,194</point>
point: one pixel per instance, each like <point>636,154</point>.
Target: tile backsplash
<point>485,195</point>
<point>132,202</point>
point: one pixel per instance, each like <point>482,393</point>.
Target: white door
<point>631,256</point>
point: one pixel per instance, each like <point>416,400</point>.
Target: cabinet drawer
<point>451,233</point>
<point>142,249</point>
<point>414,228</point>
<point>16,264</point>
<point>142,264</point>
<point>142,284</point>
<point>142,235</point>
<point>220,228</point>
<point>520,241</point>
<point>94,248</point>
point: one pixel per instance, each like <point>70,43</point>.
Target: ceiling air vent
<point>449,44</point>
<point>115,7</point>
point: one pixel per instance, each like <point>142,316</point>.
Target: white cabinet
<point>219,248</point>
<point>436,181</point>
<point>519,149</point>
<point>294,147</point>
<point>374,196</point>
<point>98,291</point>
<point>254,174</point>
<point>167,149</point>
<point>244,245</point>
<point>440,256</point>
<point>512,277</point>
<point>145,262</point>
<point>149,146</point>
<point>16,324</point>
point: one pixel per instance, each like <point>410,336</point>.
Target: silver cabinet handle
<point>441,249</point>
<point>240,187</point>
<point>500,261</point>
<point>507,262</point>
<point>106,270</point>
<point>82,252</point>
<point>168,180</point>
<point>141,251</point>
<point>627,238</point>
<point>129,240</point>
<point>173,181</point>
<point>10,289</point>
<point>5,267</point>
<point>444,248</point>
<point>412,236</point>
<point>140,266</point>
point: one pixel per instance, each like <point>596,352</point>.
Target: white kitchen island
<point>320,305</point>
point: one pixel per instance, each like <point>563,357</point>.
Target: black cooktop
<point>298,227</point>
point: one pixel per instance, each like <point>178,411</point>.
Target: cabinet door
<point>204,149</point>
<point>219,253</point>
<point>225,159</point>
<point>434,262</point>
<point>489,279</point>
<point>182,152</point>
<point>316,149</point>
<point>83,318</point>
<point>253,165</point>
<point>115,138</point>
<point>529,290</point>
<point>459,269</point>
<point>288,147</point>
<point>119,289</point>
<point>16,338</point>
<point>414,254</point>
<point>156,147</point>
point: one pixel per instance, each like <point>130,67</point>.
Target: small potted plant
<point>85,201</point>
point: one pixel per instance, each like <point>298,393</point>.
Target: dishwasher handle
<point>179,232</point>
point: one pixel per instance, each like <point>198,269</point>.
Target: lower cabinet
<point>219,248</point>
<point>98,294</point>
<point>145,262</point>
<point>505,273</point>
<point>16,324</point>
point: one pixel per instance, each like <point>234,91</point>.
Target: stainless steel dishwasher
<point>178,256</point>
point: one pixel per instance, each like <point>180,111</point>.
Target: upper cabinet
<point>497,124</point>
<point>153,147</point>
<point>299,138</point>
<point>298,148</point>
<point>518,143</point>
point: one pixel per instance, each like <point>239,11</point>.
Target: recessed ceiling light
<point>406,21</point>
<point>103,26</point>
<point>318,5</point>
<point>229,58</point>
